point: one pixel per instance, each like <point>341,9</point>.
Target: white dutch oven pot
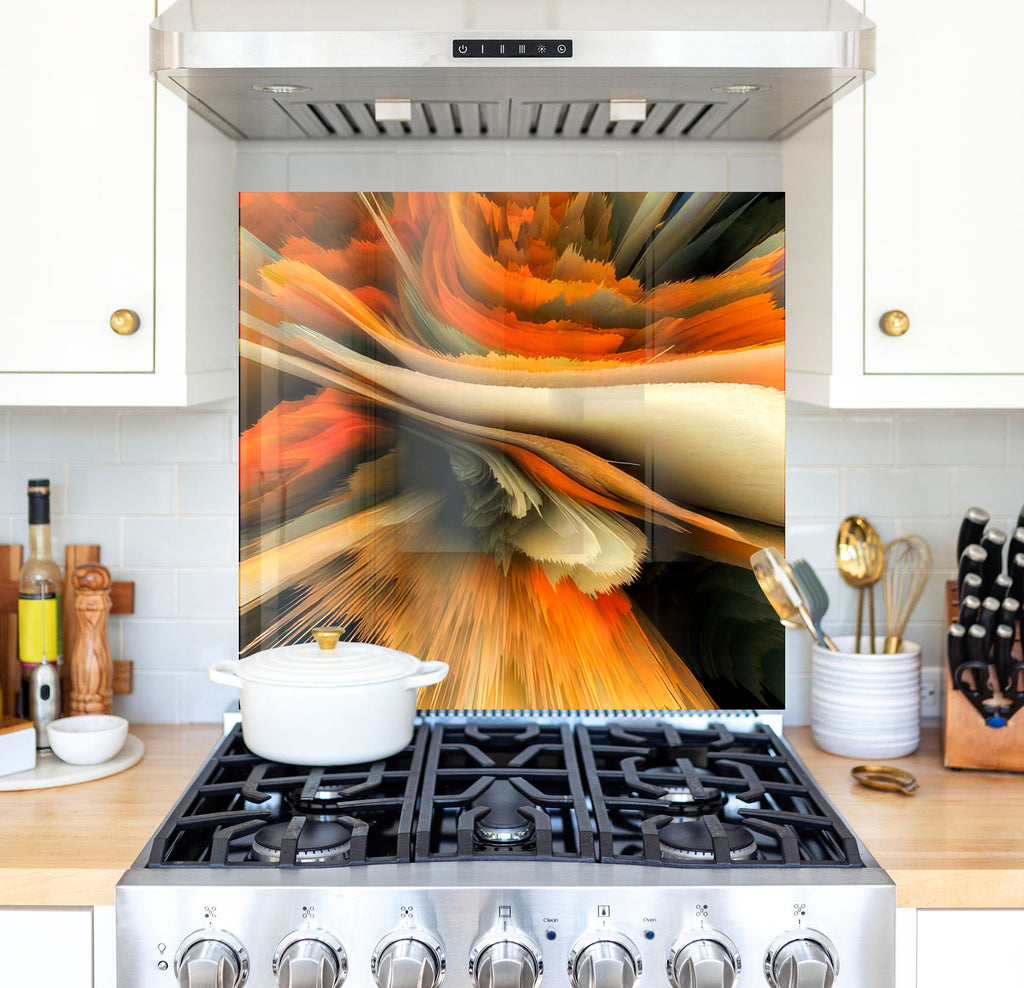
<point>327,703</point>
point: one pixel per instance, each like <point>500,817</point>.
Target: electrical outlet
<point>931,694</point>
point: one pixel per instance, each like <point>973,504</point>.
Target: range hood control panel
<point>512,48</point>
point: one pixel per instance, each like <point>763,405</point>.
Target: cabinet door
<point>43,946</point>
<point>955,947</point>
<point>944,153</point>
<point>76,186</point>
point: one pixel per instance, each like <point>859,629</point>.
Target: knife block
<point>967,741</point>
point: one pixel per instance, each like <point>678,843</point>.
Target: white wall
<point>158,490</point>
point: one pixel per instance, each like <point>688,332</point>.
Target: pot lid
<point>328,662</point>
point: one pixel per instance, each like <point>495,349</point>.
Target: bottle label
<point>39,626</point>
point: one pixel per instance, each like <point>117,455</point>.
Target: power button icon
<point>463,49</point>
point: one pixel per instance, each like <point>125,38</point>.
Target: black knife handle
<point>1000,587</point>
<point>993,542</point>
<point>977,661</point>
<point>956,653</point>
<point>972,560</point>
<point>1016,570</point>
<point>971,587</point>
<point>988,618</point>
<point>1020,517</point>
<point>1009,612</point>
<point>970,608</point>
<point>973,524</point>
<point>1005,635</point>
<point>1016,544</point>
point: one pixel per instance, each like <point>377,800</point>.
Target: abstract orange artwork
<point>534,435</point>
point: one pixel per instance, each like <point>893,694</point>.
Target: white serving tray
<point>50,771</point>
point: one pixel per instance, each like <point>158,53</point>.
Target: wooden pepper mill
<point>92,670</point>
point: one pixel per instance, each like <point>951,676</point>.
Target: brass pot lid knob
<point>895,322</point>
<point>124,322</point>
<point>327,638</point>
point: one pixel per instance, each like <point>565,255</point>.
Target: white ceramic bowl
<point>88,739</point>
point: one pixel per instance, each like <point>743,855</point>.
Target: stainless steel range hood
<point>401,69</point>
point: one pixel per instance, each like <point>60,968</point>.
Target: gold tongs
<point>885,777</point>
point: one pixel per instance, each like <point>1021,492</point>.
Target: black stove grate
<point>642,793</point>
<point>524,778</point>
<point>642,778</point>
<point>237,793</point>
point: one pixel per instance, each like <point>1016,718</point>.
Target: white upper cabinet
<point>98,217</point>
<point>903,200</point>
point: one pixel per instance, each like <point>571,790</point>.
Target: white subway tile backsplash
<point>104,531</point>
<point>999,490</point>
<point>210,593</point>
<point>14,478</point>
<point>180,542</point>
<point>156,592</point>
<point>646,172</point>
<point>209,490</point>
<point>154,699</point>
<point>963,439</point>
<point>1015,439</point>
<point>79,437</point>
<point>179,645</point>
<point>816,440</point>
<point>343,172</point>
<point>116,489</point>
<point>203,701</point>
<point>812,493</point>
<point>174,437</point>
<point>896,493</point>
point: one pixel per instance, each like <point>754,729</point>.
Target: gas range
<point>585,851</point>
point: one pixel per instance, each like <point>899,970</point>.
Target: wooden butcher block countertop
<point>958,843</point>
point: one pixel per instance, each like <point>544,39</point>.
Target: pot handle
<point>430,673</point>
<point>224,673</point>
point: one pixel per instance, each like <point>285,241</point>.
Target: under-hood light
<point>741,89</point>
<point>280,90</point>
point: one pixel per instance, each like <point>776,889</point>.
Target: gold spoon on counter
<point>860,559</point>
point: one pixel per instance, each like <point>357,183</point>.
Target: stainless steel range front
<point>585,851</point>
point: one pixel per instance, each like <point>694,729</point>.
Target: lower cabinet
<point>969,947</point>
<point>48,947</point>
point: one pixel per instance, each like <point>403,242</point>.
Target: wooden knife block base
<point>967,741</point>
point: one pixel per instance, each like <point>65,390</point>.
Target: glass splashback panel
<point>534,435</point>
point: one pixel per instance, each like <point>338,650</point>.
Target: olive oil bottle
<point>39,594</point>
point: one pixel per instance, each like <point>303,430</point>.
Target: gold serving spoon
<point>860,559</point>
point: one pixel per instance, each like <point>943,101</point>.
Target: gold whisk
<point>908,564</point>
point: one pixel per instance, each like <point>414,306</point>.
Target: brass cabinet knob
<point>895,323</point>
<point>124,322</point>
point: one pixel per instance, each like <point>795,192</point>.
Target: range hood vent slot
<point>591,119</point>
<point>568,119</point>
<point>430,119</point>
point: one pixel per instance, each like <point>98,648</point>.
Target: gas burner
<point>682,802</point>
<point>318,843</point>
<point>691,841</point>
<point>327,803</point>
<point>502,824</point>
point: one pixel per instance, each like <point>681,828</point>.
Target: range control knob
<point>310,959</point>
<point>211,959</point>
<point>505,961</point>
<point>410,959</point>
<point>607,961</point>
<point>801,959</point>
<point>707,960</point>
